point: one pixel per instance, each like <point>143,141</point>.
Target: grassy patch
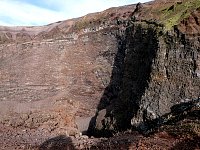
<point>172,15</point>
<point>91,20</point>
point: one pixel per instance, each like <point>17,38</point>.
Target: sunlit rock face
<point>52,77</point>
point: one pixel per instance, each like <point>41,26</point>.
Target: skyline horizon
<point>34,13</point>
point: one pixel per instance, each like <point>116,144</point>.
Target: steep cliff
<point>126,67</point>
<point>159,68</point>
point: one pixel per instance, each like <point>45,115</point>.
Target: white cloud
<point>16,12</point>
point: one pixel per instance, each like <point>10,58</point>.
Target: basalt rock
<point>159,69</point>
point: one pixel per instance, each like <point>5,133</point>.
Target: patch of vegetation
<point>172,15</point>
<point>81,24</point>
<point>89,22</point>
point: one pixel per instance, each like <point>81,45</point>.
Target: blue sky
<point>42,12</point>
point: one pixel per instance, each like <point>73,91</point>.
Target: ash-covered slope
<point>125,66</point>
<point>52,77</point>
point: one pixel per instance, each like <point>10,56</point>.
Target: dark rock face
<point>159,71</point>
<point>174,77</point>
<point>141,51</point>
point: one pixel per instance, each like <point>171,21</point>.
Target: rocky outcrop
<point>160,70</point>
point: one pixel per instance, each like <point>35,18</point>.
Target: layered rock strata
<point>109,71</point>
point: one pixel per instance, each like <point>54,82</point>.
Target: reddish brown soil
<point>54,75</point>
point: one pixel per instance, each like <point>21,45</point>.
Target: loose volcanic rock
<point>129,67</point>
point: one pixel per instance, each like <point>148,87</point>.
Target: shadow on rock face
<point>130,77</point>
<point>61,142</point>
